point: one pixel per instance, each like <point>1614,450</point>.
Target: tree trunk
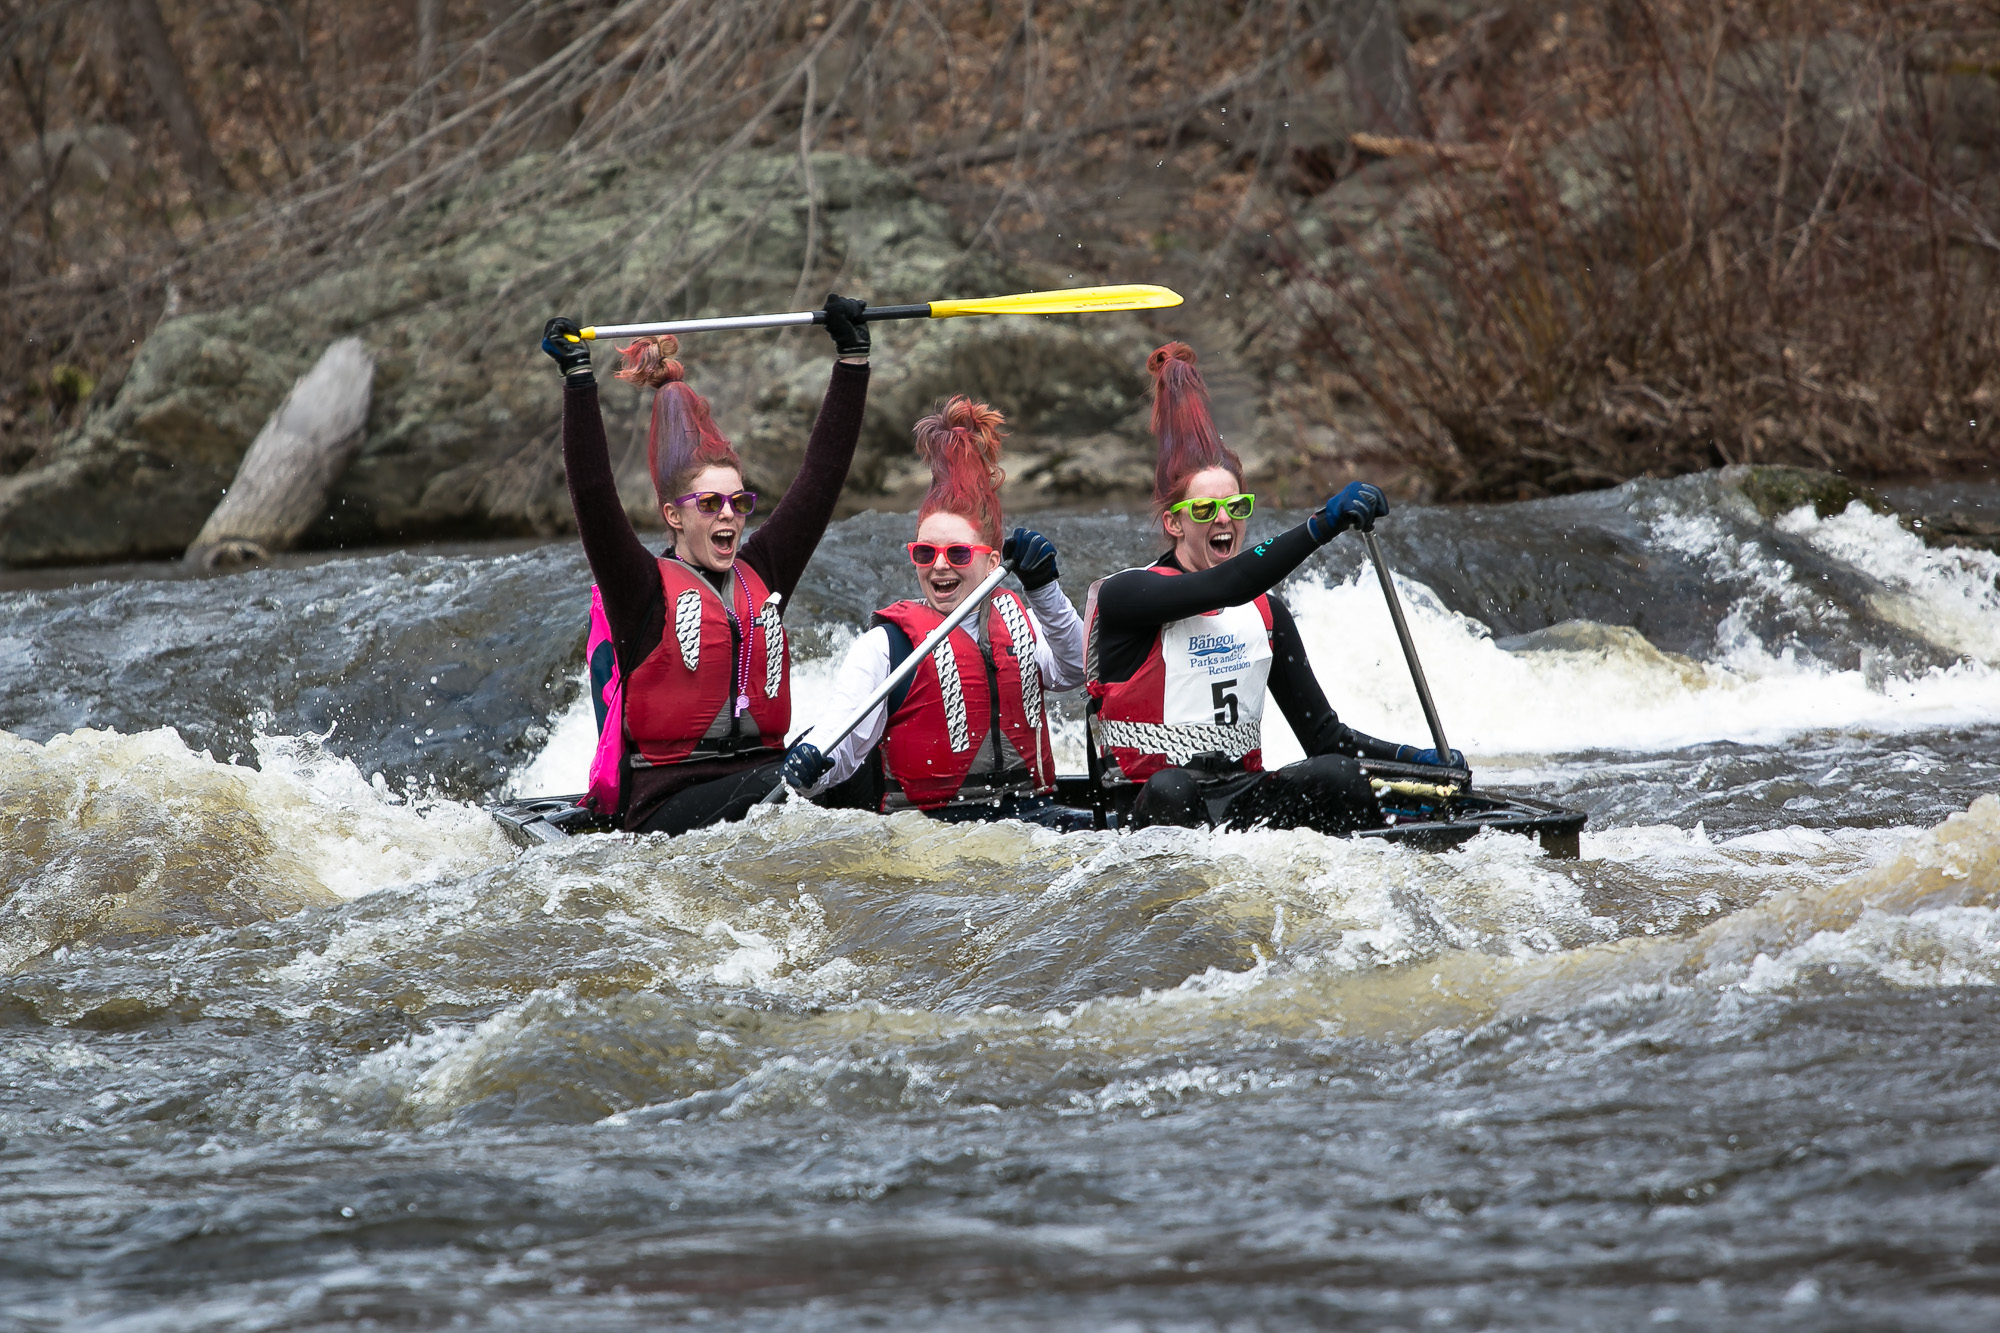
<point>1377,58</point>
<point>282,485</point>
<point>170,90</point>
<point>523,42</point>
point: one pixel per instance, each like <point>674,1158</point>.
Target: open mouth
<point>945,584</point>
<point>1223,544</point>
<point>723,540</point>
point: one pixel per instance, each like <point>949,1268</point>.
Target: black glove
<point>1407,754</point>
<point>843,322</point>
<point>1357,506</point>
<point>562,339</point>
<point>804,765</point>
<point>1033,557</point>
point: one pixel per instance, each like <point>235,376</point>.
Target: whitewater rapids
<point>295,1039</point>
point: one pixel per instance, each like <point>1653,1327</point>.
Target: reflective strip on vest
<point>774,646</point>
<point>1020,634</point>
<point>1181,741</point>
<point>946,662</point>
<point>687,628</point>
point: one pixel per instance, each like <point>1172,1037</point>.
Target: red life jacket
<point>933,737</point>
<point>1200,690</point>
<point>720,681</point>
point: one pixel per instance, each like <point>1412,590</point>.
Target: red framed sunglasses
<point>711,502</point>
<point>956,554</point>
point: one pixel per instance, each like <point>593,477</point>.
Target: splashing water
<point>299,1041</point>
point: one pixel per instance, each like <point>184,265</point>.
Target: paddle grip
<point>883,312</point>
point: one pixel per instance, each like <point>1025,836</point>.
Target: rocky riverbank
<point>462,435</point>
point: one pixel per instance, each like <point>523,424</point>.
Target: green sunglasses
<point>1208,511</point>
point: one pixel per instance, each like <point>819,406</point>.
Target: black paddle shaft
<point>875,312</point>
<point>1409,649</point>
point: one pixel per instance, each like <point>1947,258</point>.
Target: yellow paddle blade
<point>1069,301</point>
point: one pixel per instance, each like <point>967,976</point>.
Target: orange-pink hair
<point>683,438</point>
<point>1187,435</point>
<point>961,442</point>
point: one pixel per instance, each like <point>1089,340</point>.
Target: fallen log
<point>1479,157</point>
<point>281,487</point>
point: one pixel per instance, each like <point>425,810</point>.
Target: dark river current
<point>292,1038</point>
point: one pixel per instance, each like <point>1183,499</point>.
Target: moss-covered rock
<point>1777,491</point>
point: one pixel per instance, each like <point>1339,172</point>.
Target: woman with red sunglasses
<point>698,666</point>
<point>1184,651</point>
<point>967,737</point>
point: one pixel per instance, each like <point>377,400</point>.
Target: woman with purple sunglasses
<point>698,661</point>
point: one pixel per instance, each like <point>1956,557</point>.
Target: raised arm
<point>780,549</point>
<point>626,572</point>
<point>1059,654</point>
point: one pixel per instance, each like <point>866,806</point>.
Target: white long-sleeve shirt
<point>1058,654</point>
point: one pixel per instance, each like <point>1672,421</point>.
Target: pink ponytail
<point>961,442</point>
<point>1188,439</point>
<point>683,438</point>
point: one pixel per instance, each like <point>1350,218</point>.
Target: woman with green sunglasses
<point>1184,652</point>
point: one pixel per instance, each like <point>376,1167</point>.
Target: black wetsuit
<point>1327,790</point>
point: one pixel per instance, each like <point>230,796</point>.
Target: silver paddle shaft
<point>707,325</point>
<point>976,599</point>
<point>1409,649</point>
<point>796,318</point>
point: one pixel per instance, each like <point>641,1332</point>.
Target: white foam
<point>562,767</point>
<point>1950,946</point>
<point>318,821</point>
<point>812,686</point>
<point>1949,597</point>
<point>1495,702</point>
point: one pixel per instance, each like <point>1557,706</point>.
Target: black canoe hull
<point>1416,822</point>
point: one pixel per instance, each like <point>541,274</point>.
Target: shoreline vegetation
<point>1482,251</point>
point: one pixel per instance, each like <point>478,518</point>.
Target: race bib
<point>1216,667</point>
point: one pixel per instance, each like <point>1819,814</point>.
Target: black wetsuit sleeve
<point>1298,695</point>
<point>1131,606</point>
<point>1148,597</point>
<point>783,545</point>
<point>627,574</point>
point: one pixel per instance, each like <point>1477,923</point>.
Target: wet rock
<point>1777,491</point>
<point>1957,528</point>
<point>462,432</point>
<point>1620,642</point>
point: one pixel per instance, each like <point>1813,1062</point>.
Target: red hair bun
<point>961,442</point>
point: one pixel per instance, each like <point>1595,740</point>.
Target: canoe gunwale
<point>534,821</point>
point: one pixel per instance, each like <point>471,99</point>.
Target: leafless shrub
<point>1763,234</point>
<point>343,127</point>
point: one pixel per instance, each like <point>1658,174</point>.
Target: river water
<point>291,1037</point>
